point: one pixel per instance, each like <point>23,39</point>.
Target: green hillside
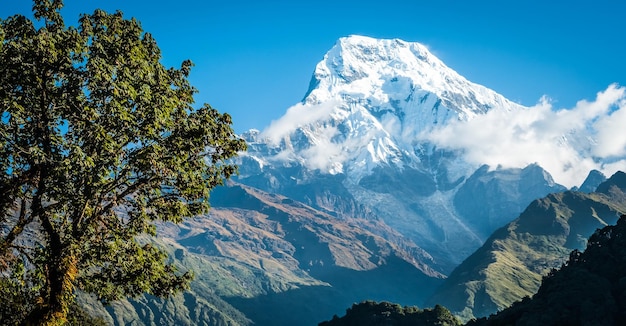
<point>589,289</point>
<point>512,262</point>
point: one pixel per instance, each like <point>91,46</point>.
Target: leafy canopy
<point>97,141</point>
<point>375,313</point>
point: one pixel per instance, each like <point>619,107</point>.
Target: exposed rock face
<point>257,255</point>
<point>490,199</point>
<point>593,180</point>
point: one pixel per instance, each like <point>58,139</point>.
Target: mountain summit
<point>355,147</point>
<point>368,102</point>
<point>385,71</point>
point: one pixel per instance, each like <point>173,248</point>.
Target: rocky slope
<point>265,259</point>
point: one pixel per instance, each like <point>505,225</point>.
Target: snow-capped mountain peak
<point>358,146</point>
<point>369,101</point>
<point>388,70</point>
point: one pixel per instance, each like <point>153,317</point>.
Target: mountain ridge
<point>257,255</point>
<point>588,289</point>
<point>511,263</point>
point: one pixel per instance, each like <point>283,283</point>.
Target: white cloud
<point>323,154</point>
<point>611,133</point>
<point>296,116</point>
<point>567,142</point>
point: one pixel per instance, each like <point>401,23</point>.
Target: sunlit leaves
<point>100,140</point>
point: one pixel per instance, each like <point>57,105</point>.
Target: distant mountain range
<point>588,288</point>
<point>345,199</point>
<point>258,255</point>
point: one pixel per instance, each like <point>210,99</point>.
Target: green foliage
<point>97,141</point>
<point>385,313</point>
<point>19,298</point>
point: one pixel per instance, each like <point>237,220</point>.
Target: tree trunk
<point>54,308</point>
<point>60,271</point>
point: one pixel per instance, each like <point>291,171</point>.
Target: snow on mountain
<point>383,71</point>
<point>355,147</point>
<point>369,101</point>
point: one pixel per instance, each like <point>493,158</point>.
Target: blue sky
<point>254,59</point>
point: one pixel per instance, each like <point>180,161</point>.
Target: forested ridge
<point>588,289</point>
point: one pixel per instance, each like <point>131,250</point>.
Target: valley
<point>346,198</point>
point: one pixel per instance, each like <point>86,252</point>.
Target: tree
<point>98,140</point>
<point>386,313</point>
